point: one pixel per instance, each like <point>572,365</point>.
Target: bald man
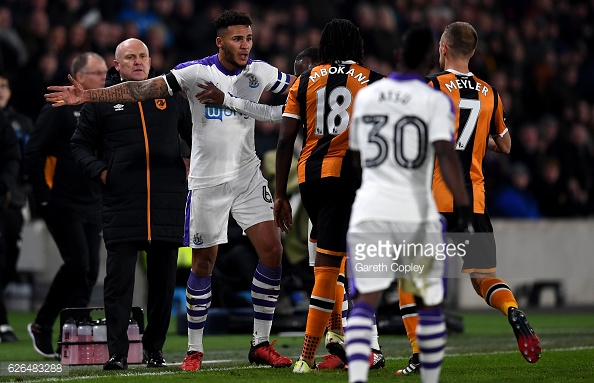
<point>134,151</point>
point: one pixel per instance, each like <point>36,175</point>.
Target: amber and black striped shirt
<point>479,113</point>
<point>323,100</point>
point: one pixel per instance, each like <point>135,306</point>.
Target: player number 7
<point>470,125</point>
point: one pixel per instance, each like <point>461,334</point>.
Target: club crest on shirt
<point>253,81</point>
<point>161,103</point>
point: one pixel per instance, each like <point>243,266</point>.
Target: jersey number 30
<point>411,124</point>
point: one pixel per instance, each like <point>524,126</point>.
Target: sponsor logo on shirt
<point>217,112</point>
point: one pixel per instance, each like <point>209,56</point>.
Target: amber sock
<point>335,323</point>
<point>408,310</point>
<point>320,307</point>
<point>497,294</point>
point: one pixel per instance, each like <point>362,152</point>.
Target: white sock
<point>431,338</point>
<point>374,337</point>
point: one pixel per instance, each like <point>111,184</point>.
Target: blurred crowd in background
<point>539,54</point>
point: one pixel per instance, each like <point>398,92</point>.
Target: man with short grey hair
<point>68,202</point>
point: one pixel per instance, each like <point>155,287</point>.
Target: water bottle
<point>100,353</point>
<point>69,335</point>
<point>135,349</point>
<point>85,349</point>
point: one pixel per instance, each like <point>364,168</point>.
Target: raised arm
<point>128,91</point>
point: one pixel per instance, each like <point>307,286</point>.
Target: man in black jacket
<point>13,214</point>
<point>68,202</point>
<point>10,159</point>
<point>134,149</point>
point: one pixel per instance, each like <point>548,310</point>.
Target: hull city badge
<point>161,103</point>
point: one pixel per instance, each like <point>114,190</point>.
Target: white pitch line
<point>85,377</point>
<point>581,348</point>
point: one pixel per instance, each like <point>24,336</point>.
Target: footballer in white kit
<point>394,131</point>
<point>224,175</point>
<point>225,170</point>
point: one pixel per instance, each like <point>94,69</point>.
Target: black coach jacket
<point>54,176</point>
<point>139,144</point>
<point>10,158</point>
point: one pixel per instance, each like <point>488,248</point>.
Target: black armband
<point>172,82</point>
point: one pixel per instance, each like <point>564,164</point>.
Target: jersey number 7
<point>470,125</point>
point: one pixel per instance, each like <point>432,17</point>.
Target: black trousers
<point>3,314</point>
<point>119,291</point>
<point>11,226</point>
<point>12,239</point>
<point>77,234</point>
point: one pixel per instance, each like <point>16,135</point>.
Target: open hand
<point>66,95</point>
<point>210,95</point>
<point>283,215</point>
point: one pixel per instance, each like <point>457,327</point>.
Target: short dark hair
<point>231,17</point>
<point>312,53</point>
<point>461,37</point>
<point>417,44</point>
<point>80,61</point>
<point>341,41</point>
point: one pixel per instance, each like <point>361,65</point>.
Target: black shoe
<point>414,366</point>
<point>42,339</point>
<point>116,362</point>
<point>376,359</point>
<point>528,341</point>
<point>154,359</point>
<point>7,334</point>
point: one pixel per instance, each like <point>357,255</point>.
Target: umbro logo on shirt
<point>118,107</point>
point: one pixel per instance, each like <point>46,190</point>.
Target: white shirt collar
<point>459,73</point>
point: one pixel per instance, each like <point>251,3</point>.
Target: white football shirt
<point>395,122</point>
<point>223,139</point>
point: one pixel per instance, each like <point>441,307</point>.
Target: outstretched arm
<point>129,91</point>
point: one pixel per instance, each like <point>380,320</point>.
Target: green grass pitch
<point>485,352</point>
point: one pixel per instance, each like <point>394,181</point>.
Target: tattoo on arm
<point>130,91</point>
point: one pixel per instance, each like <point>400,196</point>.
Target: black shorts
<point>481,255</point>
<point>328,204</point>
